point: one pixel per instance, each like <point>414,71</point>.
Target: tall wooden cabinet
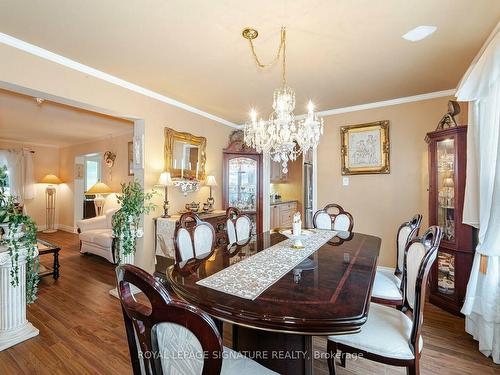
<point>447,162</point>
<point>242,181</point>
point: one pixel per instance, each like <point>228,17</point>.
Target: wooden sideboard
<point>282,214</point>
<point>165,227</point>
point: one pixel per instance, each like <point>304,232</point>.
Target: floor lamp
<point>99,189</point>
<point>50,201</point>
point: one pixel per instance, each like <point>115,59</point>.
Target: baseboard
<point>64,228</point>
<point>67,228</point>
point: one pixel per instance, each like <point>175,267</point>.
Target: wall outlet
<point>345,181</point>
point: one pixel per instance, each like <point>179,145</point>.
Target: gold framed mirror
<point>185,155</point>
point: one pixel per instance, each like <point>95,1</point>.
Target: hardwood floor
<point>82,332</point>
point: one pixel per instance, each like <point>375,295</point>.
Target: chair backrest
<point>193,238</point>
<point>406,232</point>
<point>239,227</point>
<point>109,217</point>
<point>420,255</point>
<point>341,220</point>
<point>157,333</point>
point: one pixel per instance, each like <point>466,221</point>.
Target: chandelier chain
<point>281,49</point>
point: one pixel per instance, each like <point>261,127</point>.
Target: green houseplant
<point>126,221</point>
<point>18,232</point>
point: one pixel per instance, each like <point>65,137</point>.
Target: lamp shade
<point>210,181</point>
<point>165,179</point>
<point>99,188</point>
<point>51,179</point>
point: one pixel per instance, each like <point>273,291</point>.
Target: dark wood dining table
<point>276,328</point>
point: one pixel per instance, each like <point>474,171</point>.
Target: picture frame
<point>79,171</point>
<point>130,158</point>
<point>365,148</point>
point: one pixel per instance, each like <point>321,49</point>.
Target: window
<point>92,170</point>
<point>6,187</point>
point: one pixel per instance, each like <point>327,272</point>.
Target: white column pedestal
<point>129,259</point>
<point>14,327</point>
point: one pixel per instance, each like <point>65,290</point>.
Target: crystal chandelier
<point>281,136</point>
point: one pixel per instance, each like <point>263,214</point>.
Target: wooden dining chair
<point>172,337</point>
<point>239,226</point>
<point>388,287</point>
<point>389,335</point>
<point>193,238</point>
<point>340,220</point>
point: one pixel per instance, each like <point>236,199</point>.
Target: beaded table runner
<point>251,277</point>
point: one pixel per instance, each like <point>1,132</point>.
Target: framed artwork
<point>365,148</point>
<point>130,158</point>
<point>138,151</point>
<point>79,169</point>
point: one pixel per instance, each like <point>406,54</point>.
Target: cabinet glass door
<point>446,187</point>
<point>242,178</point>
<point>446,273</point>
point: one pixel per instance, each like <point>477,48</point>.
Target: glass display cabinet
<point>242,182</point>
<point>447,161</point>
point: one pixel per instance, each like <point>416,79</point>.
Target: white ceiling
<point>340,53</point>
<point>23,120</point>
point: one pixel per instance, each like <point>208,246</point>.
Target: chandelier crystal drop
<point>282,136</point>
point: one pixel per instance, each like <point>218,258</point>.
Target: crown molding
<point>72,64</point>
<point>386,103</point>
<point>27,144</point>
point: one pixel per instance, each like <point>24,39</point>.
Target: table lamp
<point>165,181</point>
<point>99,189</point>
<point>210,181</point>
<point>50,201</point>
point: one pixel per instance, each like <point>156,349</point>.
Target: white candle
<point>175,164</point>
<point>189,165</point>
<point>197,165</point>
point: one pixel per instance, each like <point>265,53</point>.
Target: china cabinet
<point>447,161</point>
<point>242,181</point>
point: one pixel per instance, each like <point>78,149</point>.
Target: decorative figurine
<point>448,120</point>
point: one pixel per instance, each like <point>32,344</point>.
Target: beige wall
<point>45,161</point>
<point>29,71</point>
<point>119,172</point>
<point>380,203</point>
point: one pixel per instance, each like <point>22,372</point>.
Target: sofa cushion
<point>100,237</point>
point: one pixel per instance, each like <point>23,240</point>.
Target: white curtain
<point>21,178</point>
<point>481,88</point>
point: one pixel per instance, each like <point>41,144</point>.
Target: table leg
<point>281,352</point>
<point>55,275</point>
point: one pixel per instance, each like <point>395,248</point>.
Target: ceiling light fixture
<point>419,33</point>
<point>281,136</point>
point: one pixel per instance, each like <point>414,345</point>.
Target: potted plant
<point>18,233</point>
<point>134,202</point>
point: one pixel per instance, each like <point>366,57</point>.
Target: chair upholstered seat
<point>236,363</point>
<point>385,333</point>
<point>386,285</point>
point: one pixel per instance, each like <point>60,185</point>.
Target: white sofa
<point>96,235</point>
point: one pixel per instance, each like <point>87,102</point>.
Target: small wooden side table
<point>45,247</point>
